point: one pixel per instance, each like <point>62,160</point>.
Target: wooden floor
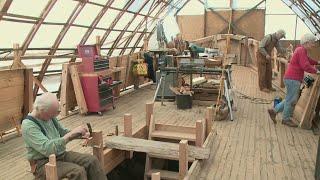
<point>250,147</point>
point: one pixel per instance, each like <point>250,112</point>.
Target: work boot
<point>265,90</point>
<point>272,114</point>
<point>272,89</point>
<point>289,123</point>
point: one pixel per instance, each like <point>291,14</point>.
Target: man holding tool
<point>44,135</point>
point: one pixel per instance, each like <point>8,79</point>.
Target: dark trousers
<point>264,72</point>
<point>74,166</point>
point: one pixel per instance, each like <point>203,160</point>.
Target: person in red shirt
<point>299,63</point>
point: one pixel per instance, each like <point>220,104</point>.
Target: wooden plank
<point>170,175</point>
<point>209,120</point>
<point>149,112</point>
<point>38,83</point>
<point>173,135</point>
<point>98,147</point>
<point>64,89</point>
<point>175,128</point>
<point>155,176</point>
<point>155,147</point>
<point>183,159</point>
<point>27,94</point>
<point>127,126</point>
<point>78,89</point>
<point>194,170</point>
<point>306,120</point>
<point>51,168</point>
<point>200,133</point>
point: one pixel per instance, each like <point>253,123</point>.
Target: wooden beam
<point>98,146</point>
<point>200,133</point>
<point>158,148</point>
<point>183,159</point>
<point>4,6</point>
<point>28,98</point>
<point>127,126</point>
<point>17,63</point>
<point>51,168</point>
<point>139,26</point>
<point>38,83</point>
<point>95,22</point>
<point>209,120</point>
<point>67,92</point>
<point>155,176</point>
<point>76,11</point>
<point>149,112</point>
<point>127,26</point>
<point>78,89</point>
<point>175,128</point>
<point>113,157</point>
<point>115,21</point>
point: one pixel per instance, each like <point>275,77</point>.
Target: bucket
<point>276,101</point>
<point>184,101</point>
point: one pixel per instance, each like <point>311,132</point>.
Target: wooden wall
<point>15,97</point>
<point>194,26</point>
<point>191,26</point>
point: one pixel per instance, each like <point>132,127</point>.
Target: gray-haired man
<point>266,45</point>
<point>44,135</point>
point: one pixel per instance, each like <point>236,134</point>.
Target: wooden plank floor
<point>251,147</point>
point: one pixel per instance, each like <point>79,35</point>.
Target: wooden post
<point>51,168</point>
<point>149,112</point>
<point>127,126</point>
<point>28,95</point>
<point>155,176</point>
<point>151,126</point>
<point>17,63</point>
<point>200,132</point>
<point>78,89</point>
<point>209,120</point>
<point>97,142</point>
<point>98,45</point>
<point>183,159</point>
<point>64,90</point>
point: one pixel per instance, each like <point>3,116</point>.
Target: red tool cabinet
<point>97,89</point>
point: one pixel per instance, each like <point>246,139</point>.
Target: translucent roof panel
<point>23,7</point>
<point>135,22</point>
<point>287,22</point>
<point>88,14</point>
<point>112,36</point>
<point>136,5</point>
<point>99,1</point>
<point>156,10</point>
<point>41,39</point>
<point>123,38</point>
<point>127,51</point>
<point>108,17</point>
<point>134,40</point>
<point>8,30</point>
<point>123,21</point>
<point>245,4</point>
<point>73,37</point>
<point>61,11</point>
<point>94,34</point>
<point>116,52</point>
<point>145,10</point>
<point>277,7</point>
<point>217,4</point>
<point>120,3</point>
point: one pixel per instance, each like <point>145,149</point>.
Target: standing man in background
<point>264,59</point>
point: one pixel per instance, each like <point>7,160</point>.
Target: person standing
<point>299,63</point>
<point>264,59</point>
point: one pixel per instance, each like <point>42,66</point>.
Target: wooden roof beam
<point>127,26</point>
<point>4,6</point>
<point>76,11</point>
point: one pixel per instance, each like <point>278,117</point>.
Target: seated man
<point>44,135</point>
